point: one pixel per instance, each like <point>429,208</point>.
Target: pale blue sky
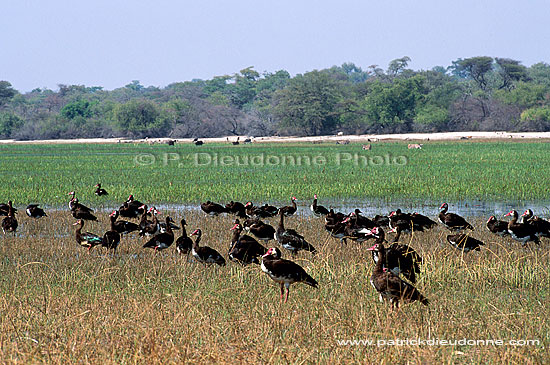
<point>108,43</point>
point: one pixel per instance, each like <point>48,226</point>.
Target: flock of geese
<point>396,265</point>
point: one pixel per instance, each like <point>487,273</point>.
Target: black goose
<point>464,242</point>
<point>162,240</point>
<point>212,209</point>
<point>83,214</point>
<point>244,249</point>
<point>205,254</point>
<point>390,286</point>
<point>335,225</point>
<point>318,210</point>
<point>361,221</point>
<point>146,226</point>
<point>184,243</point>
<point>111,238</point>
<point>262,231</point>
<point>74,204</point>
<point>452,221</point>
<point>290,239</point>
<point>123,227</point>
<point>34,211</point>
<point>541,226</point>
<point>87,239</point>
<point>9,223</point>
<point>291,209</point>
<point>100,191</point>
<point>422,221</point>
<point>285,272</point>
<point>236,208</point>
<point>521,232</point>
<point>131,208</point>
<point>5,208</point>
<point>400,258</point>
<point>497,227</point>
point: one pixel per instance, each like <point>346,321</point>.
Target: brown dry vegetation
<point>60,304</point>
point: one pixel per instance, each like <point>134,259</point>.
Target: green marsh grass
<point>441,170</point>
<point>59,304</point>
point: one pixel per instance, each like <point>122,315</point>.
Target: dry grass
<point>59,304</point>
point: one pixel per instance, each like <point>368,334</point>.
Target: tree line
<point>477,93</point>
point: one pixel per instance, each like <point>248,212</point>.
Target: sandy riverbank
<point>444,136</point>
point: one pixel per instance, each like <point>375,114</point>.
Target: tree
<point>475,68</point>
<point>6,92</point>
<point>510,71</point>
<point>141,118</point>
<point>398,65</point>
<point>308,102</point>
<point>8,124</point>
<point>388,105</point>
<point>80,108</point>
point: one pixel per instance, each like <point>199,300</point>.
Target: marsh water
<point>370,207</point>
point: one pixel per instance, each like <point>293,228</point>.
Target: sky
<point>109,43</point>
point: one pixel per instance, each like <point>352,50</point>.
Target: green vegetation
<point>185,173</point>
<point>477,93</point>
<point>62,305</point>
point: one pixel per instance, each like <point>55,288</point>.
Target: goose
<point>497,226</point>
<point>111,238</point>
<point>464,242</point>
<point>236,208</point>
<point>542,226</point>
<point>100,191</point>
<point>121,226</point>
<point>452,221</point>
<point>205,254</point>
<point>262,231</point>
<point>289,210</point>
<point>390,286</point>
<point>34,211</point>
<point>290,239</point>
<point>318,210</point>
<point>401,259</point>
<point>9,223</point>
<point>87,239</point>
<point>284,272</point>
<point>212,209</point>
<point>521,232</point>
<point>184,243</point>
<point>244,249</point>
<point>163,240</point>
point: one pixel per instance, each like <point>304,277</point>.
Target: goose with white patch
<point>205,254</point>
<point>285,272</point>
<point>34,211</point>
<point>521,232</point>
<point>100,191</point>
<point>162,240</point>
